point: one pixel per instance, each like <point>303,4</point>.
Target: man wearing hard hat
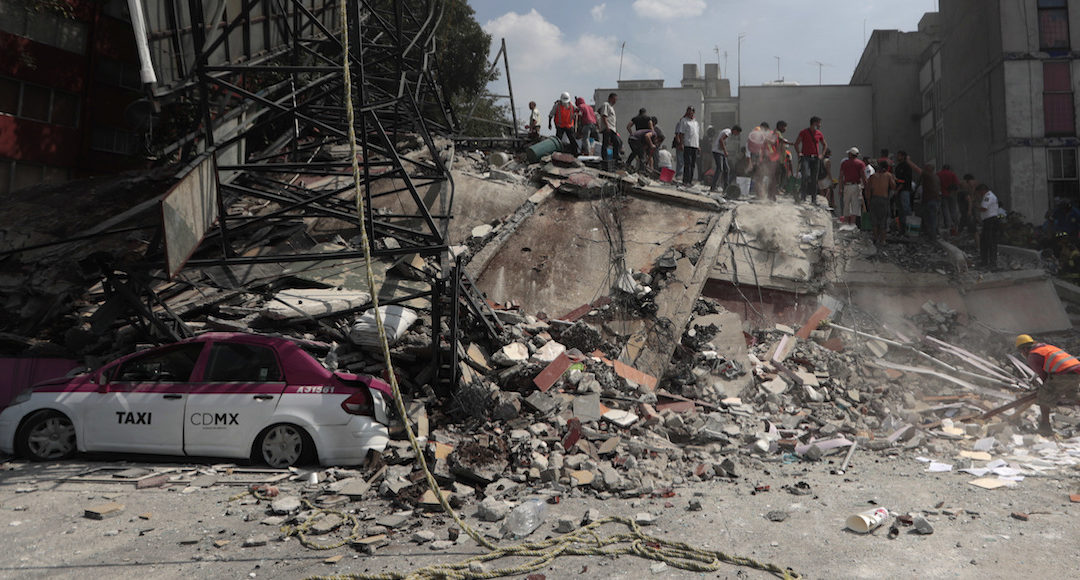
<point>1059,371</point>
<point>564,113</point>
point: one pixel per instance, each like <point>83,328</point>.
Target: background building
<point>1008,78</point>
<point>846,112</point>
<point>68,74</point>
<point>890,66</point>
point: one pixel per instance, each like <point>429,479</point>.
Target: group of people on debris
<point>879,194</point>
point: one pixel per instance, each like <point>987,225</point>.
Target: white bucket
<point>865,522</point>
<point>744,186</point>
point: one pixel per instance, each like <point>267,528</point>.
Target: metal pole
<point>738,58</point>
<point>510,89</point>
<point>622,51</point>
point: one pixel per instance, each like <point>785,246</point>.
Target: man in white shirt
<point>688,140</point>
<point>606,114</point>
<point>990,214</point>
<point>721,169</point>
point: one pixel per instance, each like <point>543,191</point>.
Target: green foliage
<point>488,109</point>
<point>462,48</point>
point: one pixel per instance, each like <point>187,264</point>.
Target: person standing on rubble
<point>990,226</point>
<point>950,208</point>
<point>721,169</point>
<point>905,184</point>
<point>811,146</point>
<point>587,125</point>
<point>565,115</point>
<point>880,188</point>
<point>931,201</point>
<point>688,141</point>
<point>852,180</point>
<point>1060,374</point>
<point>534,122</point>
<point>608,126</point>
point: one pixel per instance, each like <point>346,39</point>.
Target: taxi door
<point>140,406</point>
<point>233,400</point>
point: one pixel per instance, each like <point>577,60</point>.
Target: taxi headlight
<point>22,397</point>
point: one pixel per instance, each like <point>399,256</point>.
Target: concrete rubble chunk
<point>423,536</point>
<point>549,352</point>
<point>587,407</point>
<point>566,524</point>
<point>644,519</point>
<point>491,510</point>
<point>285,505</point>
<point>511,354</point>
<point>620,418</point>
<point>442,545</point>
<point>482,230</point>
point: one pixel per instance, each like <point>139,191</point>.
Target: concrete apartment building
<point>986,86</point>
<point>1005,96</point>
<point>890,66</point>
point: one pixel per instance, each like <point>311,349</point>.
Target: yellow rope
<point>582,542</point>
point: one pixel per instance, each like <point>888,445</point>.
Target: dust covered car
<point>219,394</point>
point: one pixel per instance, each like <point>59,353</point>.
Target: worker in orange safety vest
<point>1060,373</point>
<point>565,114</point>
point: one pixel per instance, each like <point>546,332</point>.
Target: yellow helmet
<point>1023,339</point>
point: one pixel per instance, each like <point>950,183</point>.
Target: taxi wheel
<point>284,445</point>
<point>46,435</point>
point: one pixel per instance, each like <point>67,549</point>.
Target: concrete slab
<point>480,201</point>
<point>1030,306</point>
<point>559,258</point>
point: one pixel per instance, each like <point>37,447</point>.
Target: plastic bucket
<point>744,185</point>
<point>667,174</point>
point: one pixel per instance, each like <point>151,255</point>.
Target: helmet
<point>565,97</point>
<point>1023,339</point>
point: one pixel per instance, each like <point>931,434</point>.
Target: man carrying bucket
<point>722,171</point>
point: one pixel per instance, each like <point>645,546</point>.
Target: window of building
<point>1053,25</point>
<point>1059,114</point>
<point>43,25</point>
<point>1061,173</point>
<point>35,103</point>
<point>38,103</point>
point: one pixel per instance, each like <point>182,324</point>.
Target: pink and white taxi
<point>218,394</point>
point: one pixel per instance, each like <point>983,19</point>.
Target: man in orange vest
<point>1060,373</point>
<point>564,112</point>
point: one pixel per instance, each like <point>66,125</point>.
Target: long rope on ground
<point>584,541</point>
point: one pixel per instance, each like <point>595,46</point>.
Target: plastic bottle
<point>525,518</point>
<point>610,152</point>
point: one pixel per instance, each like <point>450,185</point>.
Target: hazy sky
<point>574,45</point>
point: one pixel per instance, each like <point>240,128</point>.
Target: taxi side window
<point>173,365</point>
<point>242,363</point>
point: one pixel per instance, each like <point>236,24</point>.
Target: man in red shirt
<point>950,209</point>
<point>852,180</point>
<point>811,146</point>
<point>1060,373</point>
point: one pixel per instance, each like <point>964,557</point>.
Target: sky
<point>575,45</point>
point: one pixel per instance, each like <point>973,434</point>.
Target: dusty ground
<point>48,537</point>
